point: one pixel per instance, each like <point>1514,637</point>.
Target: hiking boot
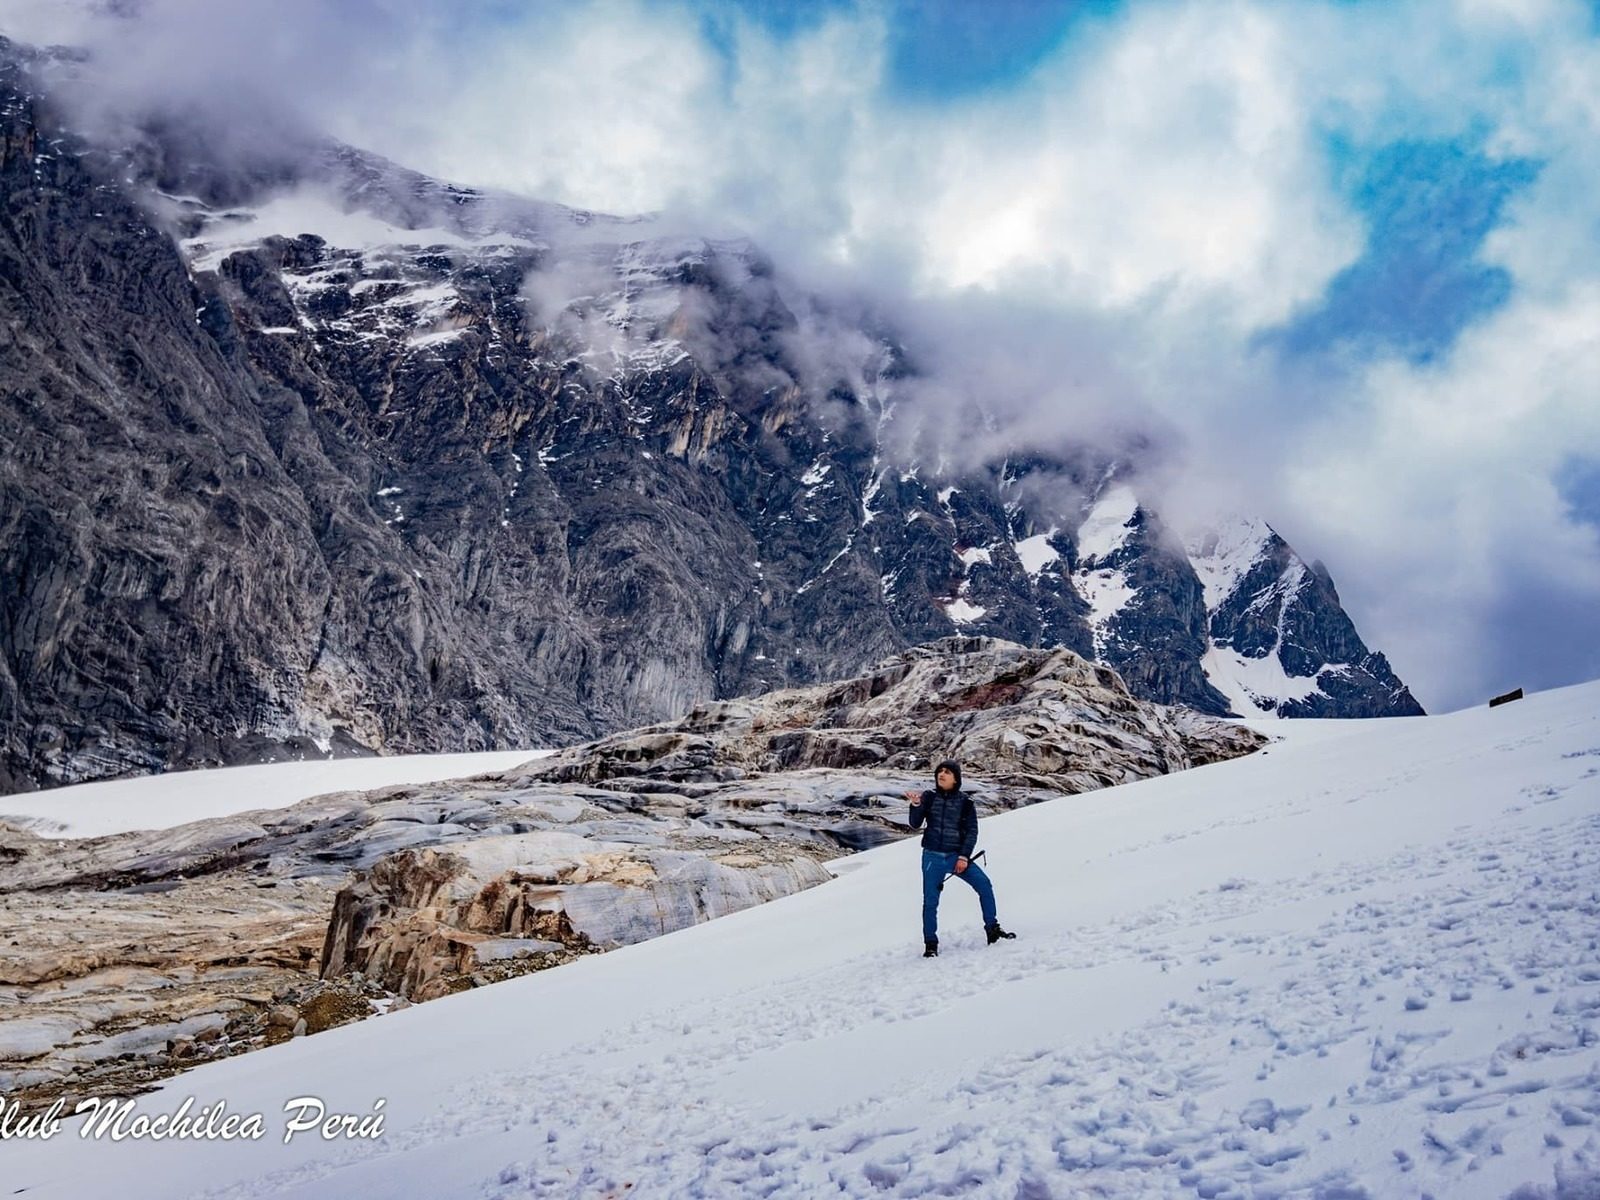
<point>930,948</point>
<point>995,933</point>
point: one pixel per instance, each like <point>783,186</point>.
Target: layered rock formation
<point>137,954</point>
<point>1036,720</point>
<point>311,453</point>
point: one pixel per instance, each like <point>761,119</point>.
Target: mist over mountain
<point>309,452</point>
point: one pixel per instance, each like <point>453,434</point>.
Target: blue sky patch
<point>947,48</point>
<point>1428,206</point>
<point>939,49</point>
<point>1578,481</point>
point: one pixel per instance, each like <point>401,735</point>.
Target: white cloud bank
<point>1103,236</point>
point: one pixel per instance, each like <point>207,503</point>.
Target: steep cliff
<point>318,455</point>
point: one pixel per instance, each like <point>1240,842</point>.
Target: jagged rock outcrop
<point>104,987</point>
<point>1147,613</point>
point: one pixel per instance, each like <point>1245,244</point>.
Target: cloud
<point>1442,484</point>
<point>1094,245</point>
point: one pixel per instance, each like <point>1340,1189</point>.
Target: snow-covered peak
<point>1278,644</point>
<point>1109,522</point>
<point>1223,556</point>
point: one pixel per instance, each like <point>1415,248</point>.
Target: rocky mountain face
<point>138,954</point>
<point>314,454</point>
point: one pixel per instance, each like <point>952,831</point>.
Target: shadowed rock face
<point>268,493</point>
<point>211,936</point>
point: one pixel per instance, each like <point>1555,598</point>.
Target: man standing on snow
<point>949,835</point>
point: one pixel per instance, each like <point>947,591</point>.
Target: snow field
<point>1360,964</point>
<point>178,797</point>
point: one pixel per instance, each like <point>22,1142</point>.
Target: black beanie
<point>954,768</point>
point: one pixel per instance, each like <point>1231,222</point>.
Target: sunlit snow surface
<point>1036,552</point>
<point>1362,963</point>
<point>1224,557</point>
<point>1105,529</point>
<point>1253,684</point>
<point>162,801</point>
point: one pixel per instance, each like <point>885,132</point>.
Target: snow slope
<point>1223,556</point>
<point>1361,963</point>
<point>177,797</point>
<point>1105,530</point>
<point>1256,686</point>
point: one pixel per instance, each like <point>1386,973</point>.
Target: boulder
<point>419,922</point>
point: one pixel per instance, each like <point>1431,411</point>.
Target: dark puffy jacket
<point>950,820</point>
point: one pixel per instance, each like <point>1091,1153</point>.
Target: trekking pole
<point>970,861</point>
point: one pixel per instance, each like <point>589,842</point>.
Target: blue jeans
<point>934,868</point>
